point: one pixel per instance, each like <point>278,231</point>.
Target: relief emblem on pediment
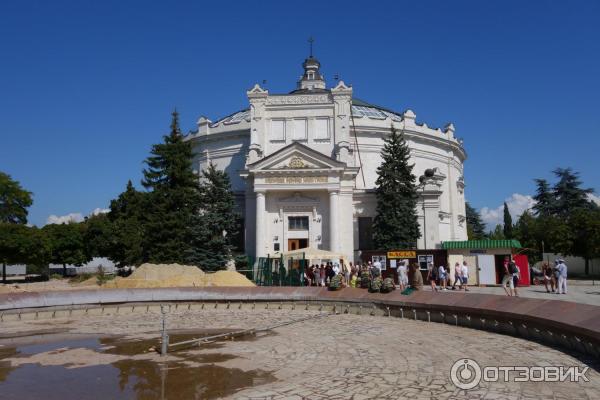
<point>296,162</point>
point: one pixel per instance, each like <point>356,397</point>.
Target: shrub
<point>102,277</point>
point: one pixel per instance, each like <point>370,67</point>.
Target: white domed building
<point>303,166</point>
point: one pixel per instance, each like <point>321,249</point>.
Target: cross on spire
<point>311,41</point>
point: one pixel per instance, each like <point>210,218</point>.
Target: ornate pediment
<point>296,157</point>
<point>294,162</point>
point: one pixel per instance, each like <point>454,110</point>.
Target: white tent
<point>310,253</point>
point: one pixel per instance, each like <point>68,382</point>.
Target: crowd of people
<point>365,274</point>
<point>438,278</point>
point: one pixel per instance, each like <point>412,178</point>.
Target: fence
<point>279,271</point>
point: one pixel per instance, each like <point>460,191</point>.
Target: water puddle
<point>138,371</point>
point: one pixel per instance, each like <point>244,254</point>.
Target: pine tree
<point>172,199</point>
<point>568,193</point>
<point>475,226</point>
<point>544,198</point>
<point>396,224</point>
<point>508,226</point>
<point>216,224</point>
<point>127,225</point>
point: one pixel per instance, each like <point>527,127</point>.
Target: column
<point>260,224</point>
<point>334,226</point>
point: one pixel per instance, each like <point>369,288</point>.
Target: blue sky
<point>87,87</point>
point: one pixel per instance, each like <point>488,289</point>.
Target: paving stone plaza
<point>340,356</point>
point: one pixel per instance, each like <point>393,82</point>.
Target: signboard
<point>478,251</point>
<point>402,254</point>
<point>296,179</point>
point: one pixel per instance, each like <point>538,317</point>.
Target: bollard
<point>389,314</point>
<point>401,313</point>
<point>164,337</point>
<point>415,313</point>
<point>455,320</point>
<point>428,316</point>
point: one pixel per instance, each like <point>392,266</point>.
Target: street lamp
<point>429,173</point>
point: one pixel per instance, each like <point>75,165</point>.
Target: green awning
<point>482,244</point>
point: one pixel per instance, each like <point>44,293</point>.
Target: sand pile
<point>227,278</point>
<point>176,275</point>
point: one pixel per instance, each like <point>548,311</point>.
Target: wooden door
<point>293,244</point>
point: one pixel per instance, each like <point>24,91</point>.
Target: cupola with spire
<point>312,80</point>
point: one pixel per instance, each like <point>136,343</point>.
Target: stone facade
<point>303,166</point>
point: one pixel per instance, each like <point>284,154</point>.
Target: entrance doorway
<point>296,244</point>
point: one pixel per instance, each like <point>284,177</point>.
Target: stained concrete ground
<point>335,357</point>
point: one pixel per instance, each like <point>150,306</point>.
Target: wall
<point>575,265</point>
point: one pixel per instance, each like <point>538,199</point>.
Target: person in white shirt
<point>403,274</point>
<point>336,268</point>
<point>443,276</point>
<point>464,274</point>
<point>562,277</point>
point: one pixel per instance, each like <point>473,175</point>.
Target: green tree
<point>216,224</point>
<point>20,244</point>
<point>475,226</point>
<point>127,224</point>
<point>497,233</point>
<point>526,232</point>
<point>568,193</point>
<point>14,201</point>
<point>67,244</point>
<point>585,227</point>
<point>508,226</point>
<point>544,199</point>
<point>172,200</point>
<point>98,236</point>
<point>396,223</point>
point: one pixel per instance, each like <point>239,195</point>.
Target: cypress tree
<point>216,224</point>
<point>172,198</point>
<point>396,224</point>
<point>508,226</point>
<point>475,226</point>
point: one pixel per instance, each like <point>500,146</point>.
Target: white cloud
<point>98,211</point>
<point>517,204</point>
<point>594,198</point>
<point>64,219</point>
<point>73,217</point>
